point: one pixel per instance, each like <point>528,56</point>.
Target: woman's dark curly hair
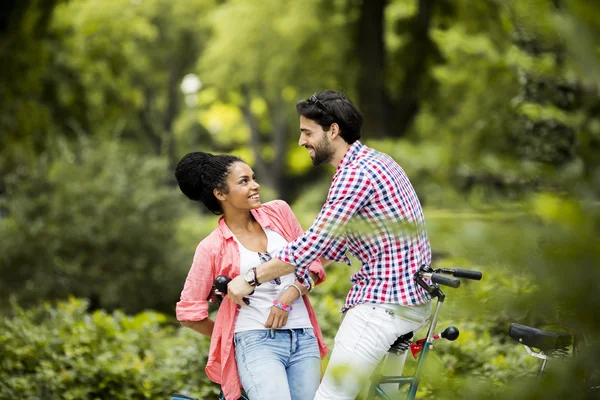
<point>198,174</point>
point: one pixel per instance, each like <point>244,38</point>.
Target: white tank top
<point>255,315</point>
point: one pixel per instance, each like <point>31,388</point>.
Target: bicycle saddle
<point>539,339</point>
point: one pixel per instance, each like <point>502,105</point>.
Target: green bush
<point>62,352</point>
<point>96,221</point>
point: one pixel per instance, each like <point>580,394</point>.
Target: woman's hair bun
<point>203,158</point>
<point>189,173</point>
<point>199,174</point>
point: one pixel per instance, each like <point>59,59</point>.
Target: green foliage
<point>95,221</point>
<point>52,352</point>
<point>502,151</point>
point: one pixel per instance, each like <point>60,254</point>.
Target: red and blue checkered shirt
<point>373,212</point>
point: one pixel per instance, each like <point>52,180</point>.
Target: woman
<point>273,346</point>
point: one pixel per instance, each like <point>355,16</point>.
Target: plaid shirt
<point>373,212</point>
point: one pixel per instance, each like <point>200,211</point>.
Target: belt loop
<point>294,340</point>
<point>272,333</point>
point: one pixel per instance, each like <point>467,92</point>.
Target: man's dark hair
<point>328,107</point>
<point>198,174</point>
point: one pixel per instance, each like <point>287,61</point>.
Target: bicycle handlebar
<point>437,278</point>
<point>461,273</point>
<point>443,280</point>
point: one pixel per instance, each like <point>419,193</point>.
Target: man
<point>373,212</point>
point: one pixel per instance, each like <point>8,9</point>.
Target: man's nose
<point>301,141</point>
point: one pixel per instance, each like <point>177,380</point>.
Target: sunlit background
<point>492,107</point>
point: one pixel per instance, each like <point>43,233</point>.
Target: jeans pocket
<point>309,332</point>
<point>251,338</point>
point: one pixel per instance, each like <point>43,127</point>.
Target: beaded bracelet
<point>282,306</point>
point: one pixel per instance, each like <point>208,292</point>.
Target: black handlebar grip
<point>464,273</point>
<point>445,280</point>
<point>221,282</point>
<point>450,333</point>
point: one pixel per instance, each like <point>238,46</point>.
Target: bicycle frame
<point>375,389</point>
<point>433,288</point>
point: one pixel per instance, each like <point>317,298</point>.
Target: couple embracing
<point>273,346</point>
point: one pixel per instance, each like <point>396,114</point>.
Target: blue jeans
<point>281,364</point>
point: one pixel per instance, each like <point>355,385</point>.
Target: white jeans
<point>365,336</point>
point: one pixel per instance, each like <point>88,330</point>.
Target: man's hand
<point>237,289</point>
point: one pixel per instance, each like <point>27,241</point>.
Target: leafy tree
<point>132,88</point>
<point>262,57</point>
<point>97,222</point>
<point>24,57</point>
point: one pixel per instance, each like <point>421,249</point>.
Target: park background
<point>492,107</point>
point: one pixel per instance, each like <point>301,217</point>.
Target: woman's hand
<point>277,318</point>
<point>314,277</point>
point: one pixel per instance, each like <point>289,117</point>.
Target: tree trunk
<point>171,114</point>
<point>372,95</point>
<point>260,165</point>
<point>419,48</point>
<point>277,111</point>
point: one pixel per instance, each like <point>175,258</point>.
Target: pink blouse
<point>218,254</point>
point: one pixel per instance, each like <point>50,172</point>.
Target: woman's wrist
<point>282,306</point>
<point>288,296</point>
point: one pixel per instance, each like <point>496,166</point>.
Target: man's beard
<point>323,152</point>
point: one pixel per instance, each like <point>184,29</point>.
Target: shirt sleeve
<point>297,231</point>
<point>350,190</point>
<point>193,304</point>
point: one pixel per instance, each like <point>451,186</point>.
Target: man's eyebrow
<point>305,130</point>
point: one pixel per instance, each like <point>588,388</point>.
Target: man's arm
<point>325,262</point>
<point>350,191</point>
<point>238,287</point>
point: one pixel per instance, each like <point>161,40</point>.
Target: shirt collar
<point>351,154</point>
<point>258,214</point>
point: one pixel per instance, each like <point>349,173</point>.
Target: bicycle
<point>404,342</point>
<point>542,344</point>
<point>546,345</point>
<point>422,346</point>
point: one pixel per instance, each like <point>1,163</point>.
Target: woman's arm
<point>192,308</point>
<point>204,327</point>
<point>278,317</point>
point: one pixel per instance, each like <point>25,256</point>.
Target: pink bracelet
<point>282,306</point>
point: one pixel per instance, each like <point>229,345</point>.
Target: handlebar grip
<point>465,273</point>
<point>221,282</point>
<point>445,280</point>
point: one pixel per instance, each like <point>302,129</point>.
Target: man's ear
<point>334,130</point>
<point>219,195</point>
